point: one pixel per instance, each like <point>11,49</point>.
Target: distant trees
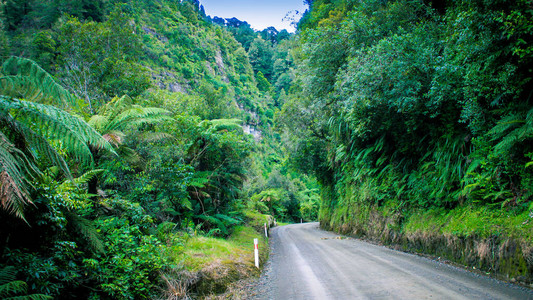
<point>261,54</point>
<point>42,14</point>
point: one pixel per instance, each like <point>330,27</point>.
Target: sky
<point>260,14</point>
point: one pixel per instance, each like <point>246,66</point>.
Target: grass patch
<point>200,252</point>
<point>209,266</point>
<point>257,220</point>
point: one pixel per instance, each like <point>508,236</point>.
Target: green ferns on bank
<point>424,116</point>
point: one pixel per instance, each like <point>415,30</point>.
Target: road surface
<point>309,263</point>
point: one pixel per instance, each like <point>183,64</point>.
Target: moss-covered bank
<point>496,241</point>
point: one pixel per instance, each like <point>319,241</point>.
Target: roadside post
<point>256,252</point>
<point>266,230</point>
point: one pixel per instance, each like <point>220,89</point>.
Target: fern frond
<point>214,221</point>
<point>37,129</point>
<point>130,155</point>
<point>223,124</point>
<point>98,122</point>
<point>114,137</point>
<point>87,176</point>
<point>13,192</point>
<point>116,105</point>
<point>87,230</point>
<point>42,148</point>
<point>24,77</point>
<point>10,288</point>
<point>227,219</point>
<point>121,112</point>
<point>13,287</point>
<point>31,297</point>
<point>7,274</point>
<point>137,116</point>
<point>56,124</point>
<point>157,136</point>
<point>522,129</point>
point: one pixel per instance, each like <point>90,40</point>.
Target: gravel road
<point>309,263</point>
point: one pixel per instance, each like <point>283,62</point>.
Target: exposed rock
<point>151,31</point>
<point>219,60</point>
<point>169,81</point>
<point>253,131</point>
<point>208,66</point>
<point>221,67</point>
<point>176,88</point>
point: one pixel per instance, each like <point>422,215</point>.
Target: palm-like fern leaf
<point>23,78</point>
<point>33,143</point>
<point>157,136</point>
<point>8,283</point>
<point>223,124</point>
<point>32,131</point>
<point>36,127</point>
<point>87,230</point>
<point>55,125</point>
<point>10,288</point>
<point>12,180</point>
<point>512,129</point>
<point>121,112</point>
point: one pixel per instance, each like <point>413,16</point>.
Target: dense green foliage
<point>128,127</point>
<point>124,131</point>
<point>415,105</point>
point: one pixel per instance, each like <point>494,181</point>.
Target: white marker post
<point>266,230</point>
<point>256,252</point>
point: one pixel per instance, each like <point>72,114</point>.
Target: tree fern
<point>55,124</point>
<point>34,131</point>
<point>511,130</point>
<point>114,118</point>
<point>119,113</point>
<point>11,289</point>
<point>23,78</point>
<point>34,144</point>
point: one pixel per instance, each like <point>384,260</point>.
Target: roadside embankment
<point>498,242</point>
<point>213,268</point>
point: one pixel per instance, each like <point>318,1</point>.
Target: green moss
<point>487,222</point>
<point>472,220</point>
<point>430,220</point>
<point>514,265</point>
